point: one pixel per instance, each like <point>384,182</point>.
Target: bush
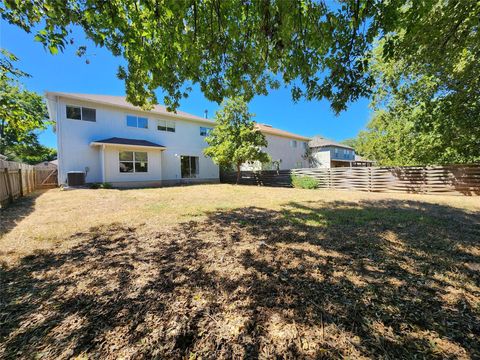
<point>104,185</point>
<point>304,182</point>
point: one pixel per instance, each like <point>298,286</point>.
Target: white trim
<point>133,162</point>
<point>102,162</point>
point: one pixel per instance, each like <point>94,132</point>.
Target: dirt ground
<point>223,271</point>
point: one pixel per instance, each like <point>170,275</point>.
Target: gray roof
<point>123,141</point>
<point>318,141</point>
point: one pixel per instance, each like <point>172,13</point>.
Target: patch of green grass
<point>304,182</point>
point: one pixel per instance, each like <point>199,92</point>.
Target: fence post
<point>20,181</point>
<point>9,186</point>
<point>369,179</point>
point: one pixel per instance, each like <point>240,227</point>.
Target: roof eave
<point>289,136</point>
<point>173,115</point>
<point>99,143</point>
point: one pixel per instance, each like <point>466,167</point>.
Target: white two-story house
<point>110,140</point>
<point>113,141</point>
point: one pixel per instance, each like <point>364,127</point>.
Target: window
<point>336,151</point>
<point>166,125</point>
<point>204,131</point>
<point>137,121</point>
<point>81,113</point>
<point>293,143</point>
<point>299,165</point>
<point>305,145</point>
<point>189,166</point>
<point>133,161</point>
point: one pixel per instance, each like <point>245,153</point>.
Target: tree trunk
<point>238,174</point>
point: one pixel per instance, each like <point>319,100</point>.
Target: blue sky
<point>69,73</point>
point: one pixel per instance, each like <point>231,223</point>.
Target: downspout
<point>58,125</point>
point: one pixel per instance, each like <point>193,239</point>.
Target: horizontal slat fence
<point>17,180</point>
<point>452,179</point>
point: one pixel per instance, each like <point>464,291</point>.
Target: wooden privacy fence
<point>453,179</point>
<point>17,180</point>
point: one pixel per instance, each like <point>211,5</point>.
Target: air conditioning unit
<point>76,178</point>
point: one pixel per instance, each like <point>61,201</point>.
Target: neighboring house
<point>113,141</point>
<point>325,153</point>
<point>286,150</point>
<point>47,165</point>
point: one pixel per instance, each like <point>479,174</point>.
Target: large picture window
<point>81,113</point>
<point>137,121</point>
<point>189,166</point>
<point>133,161</point>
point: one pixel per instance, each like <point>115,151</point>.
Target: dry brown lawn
<point>223,271</point>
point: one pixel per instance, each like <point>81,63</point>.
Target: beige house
<point>287,150</point>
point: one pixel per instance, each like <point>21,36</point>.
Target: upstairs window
<point>204,131</point>
<point>137,121</point>
<point>81,113</point>
<point>166,125</point>
<point>293,143</point>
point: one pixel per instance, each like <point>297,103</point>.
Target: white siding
<point>279,148</point>
<point>75,153</point>
<point>112,166</point>
<point>320,159</point>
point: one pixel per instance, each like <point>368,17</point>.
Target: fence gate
<point>46,178</point>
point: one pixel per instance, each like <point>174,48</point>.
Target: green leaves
<point>321,49</point>
<point>224,47</point>
<point>421,118</point>
<point>235,140</point>
<point>22,113</point>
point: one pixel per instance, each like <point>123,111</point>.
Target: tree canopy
<point>319,48</point>
<point>22,114</point>
<point>422,118</point>
<point>235,140</point>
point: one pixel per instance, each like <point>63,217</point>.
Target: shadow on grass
<point>376,279</point>
<point>13,213</point>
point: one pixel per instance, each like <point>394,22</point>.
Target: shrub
<point>304,182</point>
<point>106,185</point>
